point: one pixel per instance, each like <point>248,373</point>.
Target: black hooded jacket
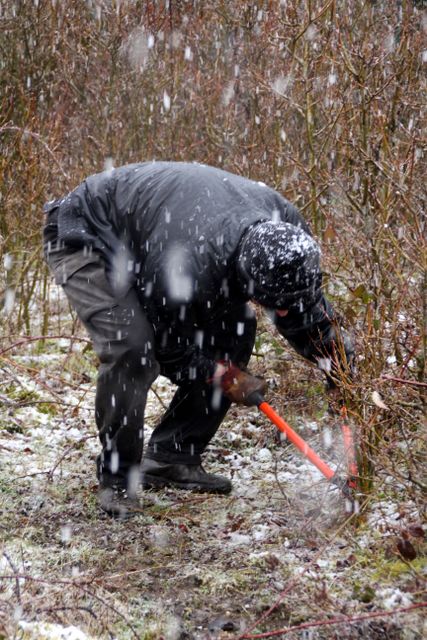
<point>172,230</point>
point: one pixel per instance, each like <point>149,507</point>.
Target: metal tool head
<point>347,487</point>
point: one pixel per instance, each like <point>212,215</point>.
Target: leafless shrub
<point>323,100</point>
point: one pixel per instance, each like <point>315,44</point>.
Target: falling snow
<point>204,566</point>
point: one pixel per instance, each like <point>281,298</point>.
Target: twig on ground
<point>334,621</point>
<point>415,383</point>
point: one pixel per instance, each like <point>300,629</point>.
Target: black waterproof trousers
<point>124,342</point>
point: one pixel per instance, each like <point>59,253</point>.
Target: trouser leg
<point>125,375</point>
<point>189,424</point>
<point>197,410</point>
<point>124,342</point>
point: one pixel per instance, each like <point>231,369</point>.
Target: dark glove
<point>238,386</point>
<point>337,357</point>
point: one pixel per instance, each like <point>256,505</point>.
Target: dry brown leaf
<point>378,401</point>
<point>406,549</point>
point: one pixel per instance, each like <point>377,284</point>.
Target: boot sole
<point>122,514</point>
<point>119,511</point>
<point>154,482</point>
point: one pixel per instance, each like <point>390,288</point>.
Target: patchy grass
<point>280,551</point>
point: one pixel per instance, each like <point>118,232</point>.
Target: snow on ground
<point>47,631</point>
<point>191,566</point>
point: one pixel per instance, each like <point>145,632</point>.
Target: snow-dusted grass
<point>191,566</point>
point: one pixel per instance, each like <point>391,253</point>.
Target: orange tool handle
<point>296,440</point>
<point>349,450</point>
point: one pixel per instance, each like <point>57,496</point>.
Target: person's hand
<point>338,358</point>
<point>338,366</point>
<point>237,385</point>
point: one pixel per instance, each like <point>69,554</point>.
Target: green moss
<point>10,426</point>
<point>8,488</point>
<point>391,569</point>
<point>363,593</point>
<point>316,390</point>
<point>21,395</point>
<point>48,408</point>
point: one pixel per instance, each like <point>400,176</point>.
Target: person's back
<point>161,202</point>
<point>171,229</point>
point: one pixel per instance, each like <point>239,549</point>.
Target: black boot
<point>192,477</point>
<point>118,502</point>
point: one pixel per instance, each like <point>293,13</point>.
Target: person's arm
<point>317,336</point>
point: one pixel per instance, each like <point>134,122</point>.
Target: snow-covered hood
<point>279,266</point>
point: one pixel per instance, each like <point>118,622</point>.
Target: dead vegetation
<point>281,552</point>
<point>324,101</point>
